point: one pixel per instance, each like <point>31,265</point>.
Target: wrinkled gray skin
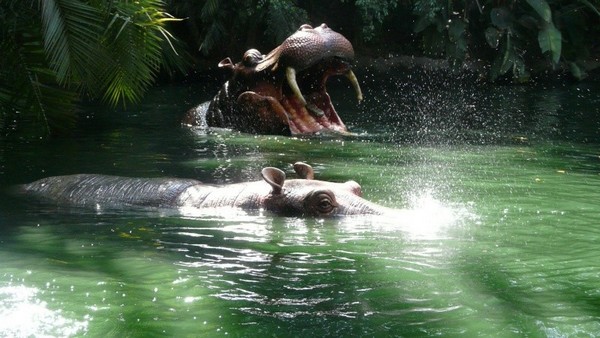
<point>274,193</point>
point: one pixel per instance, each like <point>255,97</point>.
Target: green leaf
<point>550,40</point>
<point>492,36</point>
<point>520,73</point>
<point>508,61</point>
<point>504,61</point>
<point>501,17</point>
<point>591,6</point>
<point>528,22</point>
<point>456,30</point>
<point>422,23</point>
<point>576,71</point>
<point>71,30</point>
<point>542,8</point>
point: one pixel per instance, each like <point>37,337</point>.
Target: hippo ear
<point>226,63</point>
<point>275,177</point>
<point>305,27</point>
<point>304,170</point>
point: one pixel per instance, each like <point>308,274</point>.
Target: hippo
<point>284,91</point>
<point>292,197</point>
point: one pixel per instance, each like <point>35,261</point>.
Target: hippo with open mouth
<point>294,197</point>
<point>284,91</point>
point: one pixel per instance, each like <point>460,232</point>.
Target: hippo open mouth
<point>284,92</point>
<point>305,99</point>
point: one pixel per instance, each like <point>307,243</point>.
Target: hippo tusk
<point>290,74</point>
<point>350,75</point>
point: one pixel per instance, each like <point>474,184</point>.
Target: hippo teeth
<point>315,110</point>
<point>290,74</point>
<point>350,75</point>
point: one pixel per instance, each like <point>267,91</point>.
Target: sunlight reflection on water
<point>23,314</point>
<point>426,218</point>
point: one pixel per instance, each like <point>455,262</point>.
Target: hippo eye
<point>252,57</point>
<point>325,205</point>
<point>305,27</point>
<point>322,202</point>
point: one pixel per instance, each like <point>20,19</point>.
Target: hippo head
<point>307,196</point>
<point>284,91</point>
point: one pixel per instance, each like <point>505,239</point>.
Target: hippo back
<point>108,191</point>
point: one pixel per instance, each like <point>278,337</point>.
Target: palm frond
<point>71,33</point>
<point>283,18</point>
<point>54,51</point>
<point>215,33</point>
<point>209,10</point>
<point>136,36</point>
<point>29,94</point>
<point>175,57</point>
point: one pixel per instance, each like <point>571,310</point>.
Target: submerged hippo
<point>304,196</point>
<point>283,92</point>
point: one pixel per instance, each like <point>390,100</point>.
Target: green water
<point>499,196</point>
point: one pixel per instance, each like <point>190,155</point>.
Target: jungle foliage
<point>228,28</point>
<point>56,52</point>
<point>513,37</point>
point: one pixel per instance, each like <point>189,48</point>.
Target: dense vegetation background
<point>57,53</point>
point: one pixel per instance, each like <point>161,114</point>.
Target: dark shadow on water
<point>528,306</point>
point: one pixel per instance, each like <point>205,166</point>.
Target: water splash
<point>425,218</point>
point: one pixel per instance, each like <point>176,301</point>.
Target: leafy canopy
<point>57,52</point>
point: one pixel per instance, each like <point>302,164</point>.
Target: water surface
<point>497,233</point>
